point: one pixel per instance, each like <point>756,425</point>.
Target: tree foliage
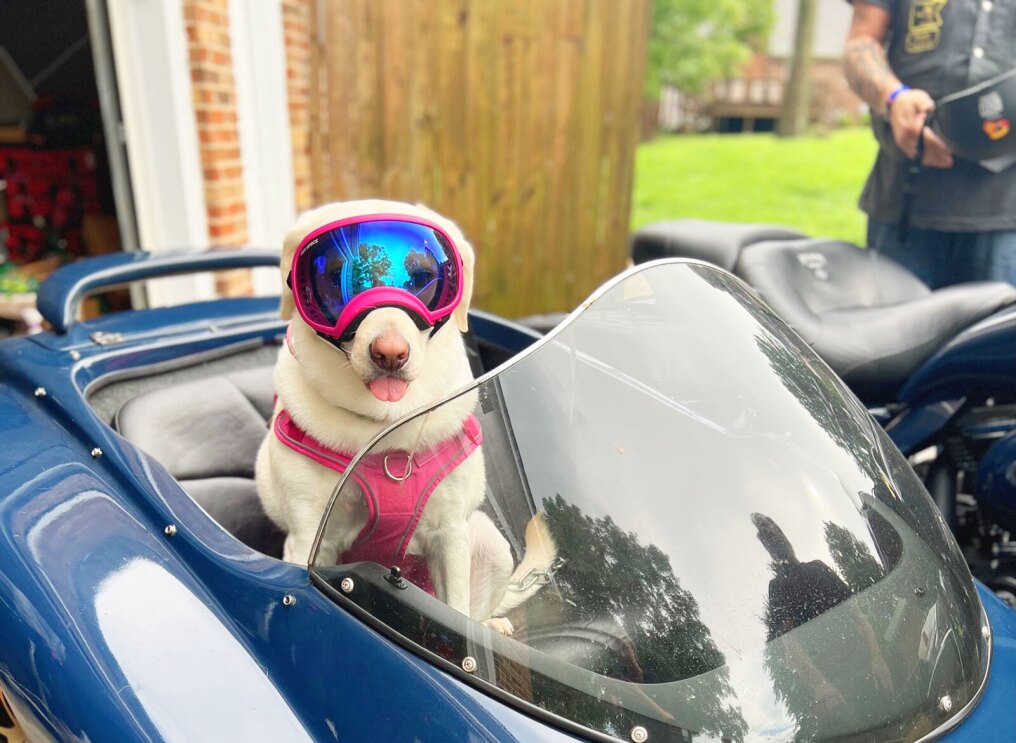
<point>609,573</point>
<point>371,268</point>
<point>693,42</point>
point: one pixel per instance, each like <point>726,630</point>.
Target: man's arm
<point>864,60</point>
<point>870,76</point>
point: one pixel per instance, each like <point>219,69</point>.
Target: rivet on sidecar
<point>76,355</point>
<point>469,664</point>
<point>288,600</point>
<point>170,530</point>
<point>40,391</point>
<point>347,585</point>
<point>96,453</point>
<point>639,734</point>
<point>945,703</point>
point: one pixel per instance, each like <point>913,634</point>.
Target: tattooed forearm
<point>868,71</point>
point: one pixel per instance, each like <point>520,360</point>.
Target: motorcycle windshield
<point>738,553</point>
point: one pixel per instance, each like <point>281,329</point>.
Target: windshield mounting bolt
<point>288,600</point>
<point>918,591</point>
<point>347,585</point>
<point>76,355</point>
<point>40,392</point>
<point>639,734</point>
<point>945,703</point>
<point>96,453</point>
<point>170,530</point>
<point>469,664</point>
<point>985,632</point>
<point>394,576</point>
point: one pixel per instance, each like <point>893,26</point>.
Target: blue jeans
<point>943,258</point>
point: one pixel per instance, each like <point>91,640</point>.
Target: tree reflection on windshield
<point>609,573</point>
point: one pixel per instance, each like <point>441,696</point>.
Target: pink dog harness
<point>395,487</point>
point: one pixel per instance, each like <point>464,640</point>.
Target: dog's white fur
<point>327,396</point>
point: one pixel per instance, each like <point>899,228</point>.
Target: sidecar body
<point>742,553</point>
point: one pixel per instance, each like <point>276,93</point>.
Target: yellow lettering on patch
<point>924,26</point>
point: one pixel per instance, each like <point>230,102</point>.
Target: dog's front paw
<point>502,625</point>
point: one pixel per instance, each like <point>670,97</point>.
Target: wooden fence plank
<point>518,120</point>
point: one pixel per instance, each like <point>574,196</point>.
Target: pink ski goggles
<point>347,268</point>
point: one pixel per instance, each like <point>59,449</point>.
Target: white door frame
<point>153,77</point>
<point>259,69</point>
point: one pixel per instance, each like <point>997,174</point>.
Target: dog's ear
<point>461,313</point>
<point>286,304</point>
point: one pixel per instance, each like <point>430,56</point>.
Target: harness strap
<point>396,486</point>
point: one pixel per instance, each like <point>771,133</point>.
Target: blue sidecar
<point>743,554</point>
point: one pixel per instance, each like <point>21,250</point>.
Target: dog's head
<point>390,366</point>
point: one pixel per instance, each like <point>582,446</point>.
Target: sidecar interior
<point>206,433</point>
<point>871,319</point>
<point>204,420</point>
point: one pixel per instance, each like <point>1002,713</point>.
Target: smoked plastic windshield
<point>741,554</point>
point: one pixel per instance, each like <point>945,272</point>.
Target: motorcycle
<point>937,369</point>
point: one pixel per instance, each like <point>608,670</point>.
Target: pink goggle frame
<point>377,296</point>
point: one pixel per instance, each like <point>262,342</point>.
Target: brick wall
<point>298,26</point>
<point>214,90</point>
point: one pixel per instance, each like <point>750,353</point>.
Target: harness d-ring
<point>409,470</point>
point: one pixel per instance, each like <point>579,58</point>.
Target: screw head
<point>347,585</point>
<point>945,703</point>
<point>985,631</point>
<point>288,600</point>
<point>639,734</point>
<point>40,391</point>
<point>170,530</point>
<point>96,453</point>
<point>75,355</point>
<point>469,664</point>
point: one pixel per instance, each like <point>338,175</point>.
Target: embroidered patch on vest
<point>924,26</point>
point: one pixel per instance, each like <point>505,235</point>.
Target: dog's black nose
<point>389,352</point>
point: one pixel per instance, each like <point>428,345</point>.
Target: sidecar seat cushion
<point>868,317</point>
<point>205,428</point>
<point>719,243</point>
<point>206,433</point>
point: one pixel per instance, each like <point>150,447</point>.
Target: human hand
<point>907,115</point>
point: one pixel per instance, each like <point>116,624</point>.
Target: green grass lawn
<point>810,183</point>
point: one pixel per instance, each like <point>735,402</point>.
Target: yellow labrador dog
<point>377,294</point>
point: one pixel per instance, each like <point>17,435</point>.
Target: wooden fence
<point>518,120</point>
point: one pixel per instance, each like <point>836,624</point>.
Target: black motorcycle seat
<point>719,243</point>
<point>869,318</point>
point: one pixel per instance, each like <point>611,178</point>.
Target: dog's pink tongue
<point>388,389</point>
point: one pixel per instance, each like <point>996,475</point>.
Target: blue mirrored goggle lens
<point>347,261</point>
